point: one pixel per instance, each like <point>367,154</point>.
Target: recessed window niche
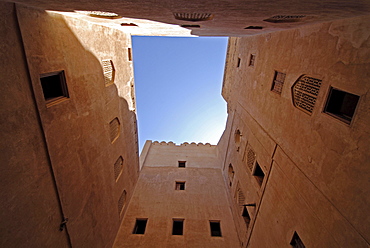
<point>54,87</point>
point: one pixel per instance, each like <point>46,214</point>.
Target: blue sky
<point>178,88</point>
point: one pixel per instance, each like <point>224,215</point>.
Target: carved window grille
<point>252,59</point>
<point>240,198</point>
<point>122,201</point>
<point>251,158</point>
<point>278,82</point>
<point>109,71</point>
<point>118,166</point>
<point>305,91</point>
<point>285,18</point>
<point>193,17</point>
<point>101,14</point>
<point>114,129</point>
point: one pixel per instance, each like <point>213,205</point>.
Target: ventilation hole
<point>124,24</point>
<point>285,18</point>
<point>305,91</point>
<point>121,202</point>
<point>278,82</point>
<point>251,158</point>
<point>118,166</point>
<point>193,17</point>
<point>109,71</point>
<point>114,129</point>
<point>129,53</point>
<point>239,62</point>
<point>190,26</point>
<point>254,27</point>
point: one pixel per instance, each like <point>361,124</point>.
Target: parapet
<point>170,143</point>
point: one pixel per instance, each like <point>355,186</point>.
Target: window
<point>296,241</point>
<point>304,93</point>
<point>215,228</point>
<point>180,186</point>
<point>278,82</point>
<point>254,27</point>
<point>54,87</point>
<point>182,164</point>
<point>239,61</point>
<point>190,26</point>
<point>258,174</point>
<point>121,201</point>
<point>108,71</point>
<point>341,105</point>
<point>128,24</point>
<point>177,227</point>
<point>252,59</point>
<point>246,217</point>
<point>231,174</point>
<point>140,226</point>
<point>114,129</point>
<point>118,165</point>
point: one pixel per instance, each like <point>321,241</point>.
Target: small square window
<point>278,82</point>
<point>258,174</point>
<point>180,186</point>
<point>296,241</point>
<point>182,164</point>
<point>177,227</point>
<point>140,226</point>
<point>341,105</point>
<point>252,59</point>
<point>215,228</point>
<point>54,87</point>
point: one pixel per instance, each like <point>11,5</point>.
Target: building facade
<point>291,169</point>
<point>182,197</point>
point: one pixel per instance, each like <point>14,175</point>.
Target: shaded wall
<point>316,167</point>
<point>77,131</point>
<point>30,212</point>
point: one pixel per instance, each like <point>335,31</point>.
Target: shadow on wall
<point>66,147</point>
